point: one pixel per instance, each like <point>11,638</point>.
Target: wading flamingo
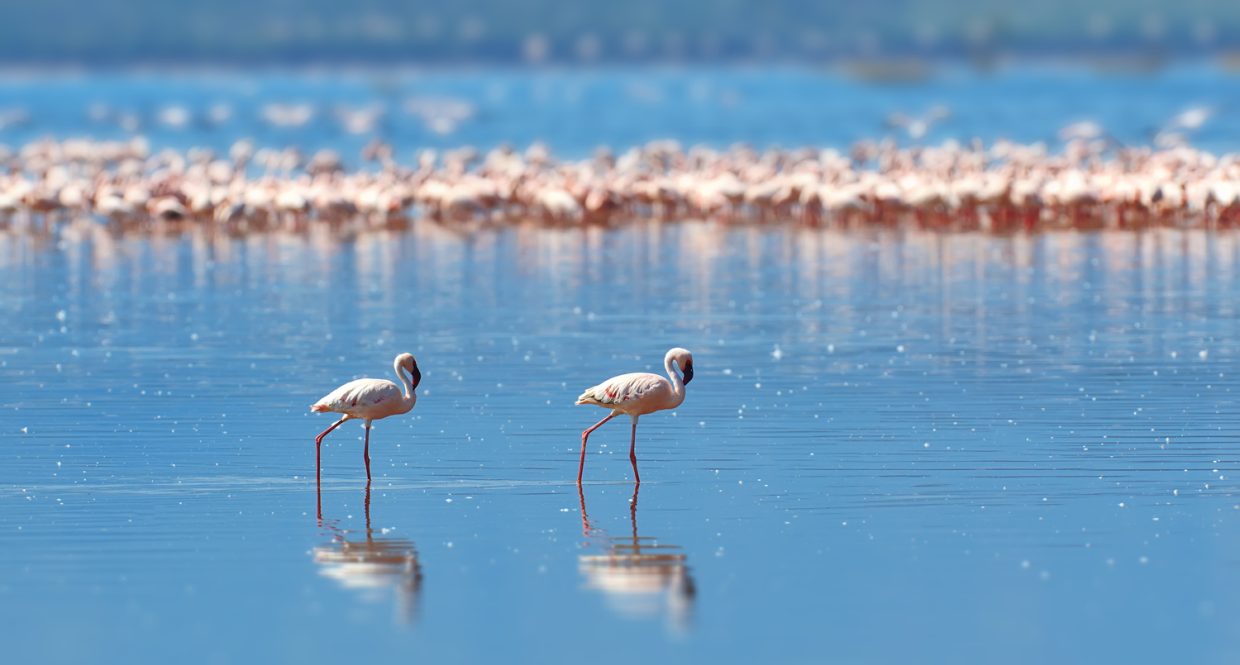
<point>637,394</point>
<point>369,400</point>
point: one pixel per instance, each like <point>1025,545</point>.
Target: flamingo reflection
<point>639,575</point>
<point>371,565</point>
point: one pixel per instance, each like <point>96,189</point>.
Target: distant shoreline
<point>885,69</point>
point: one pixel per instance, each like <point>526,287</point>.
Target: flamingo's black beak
<point>688,372</point>
<point>417,376</point>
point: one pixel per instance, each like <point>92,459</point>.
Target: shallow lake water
<point>575,110</point>
<point>897,447</point>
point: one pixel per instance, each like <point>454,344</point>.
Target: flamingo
<point>637,394</point>
<point>369,400</point>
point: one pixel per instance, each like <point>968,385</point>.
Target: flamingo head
<point>406,362</point>
<point>683,360</point>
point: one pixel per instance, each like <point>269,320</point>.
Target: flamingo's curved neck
<point>406,381</point>
<point>678,385</point>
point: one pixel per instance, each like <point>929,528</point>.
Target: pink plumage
<point>637,394</point>
<point>368,399</point>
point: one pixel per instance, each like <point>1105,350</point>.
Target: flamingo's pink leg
<point>633,453</point>
<point>366,452</point>
<point>586,435</point>
<point>318,446</point>
<point>585,521</point>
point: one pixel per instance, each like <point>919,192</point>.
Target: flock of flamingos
<point>1088,183</point>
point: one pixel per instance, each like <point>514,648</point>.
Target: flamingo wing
<point>626,390</point>
<point>359,398</point>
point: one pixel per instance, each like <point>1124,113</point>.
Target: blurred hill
<point>372,31</point>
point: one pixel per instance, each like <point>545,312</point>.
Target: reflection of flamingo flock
<point>1091,183</point>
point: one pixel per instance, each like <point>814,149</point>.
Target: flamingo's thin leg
<point>367,503</point>
<point>366,452</point>
<point>318,446</point>
<point>633,515</point>
<point>633,453</point>
<point>585,521</point>
<point>586,435</point>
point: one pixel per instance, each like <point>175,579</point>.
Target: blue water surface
<point>575,110</point>
<point>897,447</point>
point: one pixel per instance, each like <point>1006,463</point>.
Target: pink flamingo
<point>637,394</point>
<point>369,400</point>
